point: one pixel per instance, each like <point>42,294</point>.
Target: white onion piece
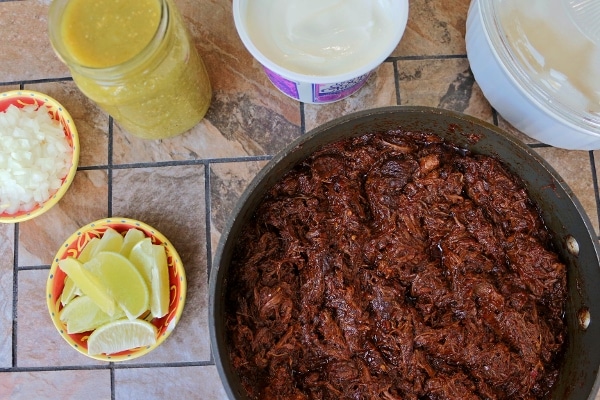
<point>34,158</point>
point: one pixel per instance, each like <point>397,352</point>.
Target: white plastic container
<point>538,64</point>
<point>271,30</point>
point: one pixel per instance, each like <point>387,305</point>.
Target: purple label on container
<point>288,87</point>
<point>324,93</point>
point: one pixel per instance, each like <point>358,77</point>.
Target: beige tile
<point>84,202</point>
<point>434,28</point>
<point>25,51</point>
<point>7,240</point>
<point>90,121</point>
<point>575,168</point>
<point>443,83</point>
<point>172,200</point>
<point>379,91</point>
<point>198,382</point>
<point>204,141</point>
<point>259,124</point>
<point>227,183</point>
<point>56,385</point>
<point>38,342</point>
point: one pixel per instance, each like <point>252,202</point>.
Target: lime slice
<point>132,237</point>
<point>123,281</point>
<point>69,292</point>
<point>121,335</point>
<point>151,260</point>
<point>82,315</point>
<point>159,301</point>
<point>110,241</point>
<point>88,250</point>
<point>141,256</point>
<point>89,284</point>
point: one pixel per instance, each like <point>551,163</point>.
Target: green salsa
<point>105,33</point>
<point>138,67</point>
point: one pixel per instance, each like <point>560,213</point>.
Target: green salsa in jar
<point>135,60</point>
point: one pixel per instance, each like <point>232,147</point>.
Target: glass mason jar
<point>144,71</point>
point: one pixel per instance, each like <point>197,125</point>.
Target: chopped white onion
<point>35,157</point>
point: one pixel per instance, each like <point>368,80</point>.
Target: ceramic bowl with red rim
<point>17,161</point>
<point>73,247</point>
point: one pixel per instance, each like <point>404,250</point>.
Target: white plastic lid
<point>552,49</point>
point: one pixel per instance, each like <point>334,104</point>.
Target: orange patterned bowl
<point>73,246</point>
<point>20,99</point>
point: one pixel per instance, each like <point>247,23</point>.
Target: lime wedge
<point>69,292</point>
<point>123,281</point>
<point>88,250</point>
<point>121,335</point>
<point>110,241</point>
<point>82,315</point>
<point>89,284</point>
<point>132,237</point>
<point>159,301</point>
<point>151,260</point>
<point>141,256</point>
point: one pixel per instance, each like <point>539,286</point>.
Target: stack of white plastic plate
<point>538,64</point>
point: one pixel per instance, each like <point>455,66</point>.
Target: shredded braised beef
<point>396,266</point>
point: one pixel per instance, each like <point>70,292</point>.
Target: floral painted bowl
<point>20,99</point>
<point>73,246</point>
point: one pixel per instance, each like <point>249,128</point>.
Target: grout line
<point>110,166</point>
<point>112,366</point>
<point>56,368</point>
<point>427,57</point>
<point>495,117</point>
<point>207,218</point>
<point>208,230</point>
<point>93,168</point>
<point>181,364</point>
<point>397,82</point>
<point>302,119</point>
<point>595,184</point>
<point>15,294</point>
<point>41,267</point>
<point>113,389</point>
<point>109,203</point>
<point>23,83</point>
<point>175,163</point>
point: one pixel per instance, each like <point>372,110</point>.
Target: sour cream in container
<point>319,51</point>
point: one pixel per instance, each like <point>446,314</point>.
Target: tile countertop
<point>186,186</point>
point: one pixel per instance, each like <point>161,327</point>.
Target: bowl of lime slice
<point>116,289</point>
